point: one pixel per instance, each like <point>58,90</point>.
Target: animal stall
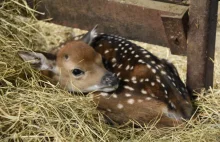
<point>34,109</point>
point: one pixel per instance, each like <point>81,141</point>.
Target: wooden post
<point>201,43</point>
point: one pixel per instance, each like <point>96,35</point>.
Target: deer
<point>149,89</point>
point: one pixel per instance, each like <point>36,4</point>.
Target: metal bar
<point>201,44</point>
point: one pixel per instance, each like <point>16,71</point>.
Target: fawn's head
<point>76,67</point>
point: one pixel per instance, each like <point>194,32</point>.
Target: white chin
<point>100,88</point>
<point>108,89</point>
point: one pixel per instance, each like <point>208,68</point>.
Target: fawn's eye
<point>77,72</point>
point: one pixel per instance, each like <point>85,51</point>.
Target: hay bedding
<point>30,111</point>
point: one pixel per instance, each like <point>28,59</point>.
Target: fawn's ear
<point>90,35</point>
<point>39,60</point>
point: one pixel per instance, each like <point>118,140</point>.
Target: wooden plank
<point>176,30</point>
<point>211,43</point>
<point>201,43</point>
<point>140,21</point>
<point>160,6</point>
<point>180,2</point>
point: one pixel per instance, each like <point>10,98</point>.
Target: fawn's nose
<point>109,79</point>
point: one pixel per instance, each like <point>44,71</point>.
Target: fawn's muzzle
<point>109,79</point>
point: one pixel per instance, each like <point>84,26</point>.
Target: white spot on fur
<point>127,68</point>
<point>114,96</point>
<point>141,61</point>
<point>100,45</point>
<point>134,81</point>
<point>147,56</point>
<point>141,80</point>
<point>153,62</point>
<point>157,77</point>
<point>148,98</point>
<point>165,91</point>
<point>159,66</point>
<point>139,100</point>
<point>126,80</point>
<point>130,101</point>
<point>120,106</point>
<point>147,79</point>
<point>114,65</point>
<point>163,72</point>
<point>127,95</point>
<point>149,66</point>
<point>158,80</point>
<point>104,94</point>
<point>106,51</point>
<point>172,105</point>
<point>129,88</point>
<point>118,74</point>
<point>152,83</point>
<point>109,110</point>
<point>136,56</point>
<point>133,78</point>
<point>154,71</point>
<point>113,60</point>
<point>143,91</point>
<point>169,77</point>
<point>120,66</point>
<point>152,95</point>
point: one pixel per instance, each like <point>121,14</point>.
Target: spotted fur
<point>145,77</point>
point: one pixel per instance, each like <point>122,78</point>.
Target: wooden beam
<point>134,19</point>
<point>176,30</point>
<point>201,43</point>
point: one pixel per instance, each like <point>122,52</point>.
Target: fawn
<point>149,87</point>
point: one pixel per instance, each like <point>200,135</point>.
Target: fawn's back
<point>149,87</point>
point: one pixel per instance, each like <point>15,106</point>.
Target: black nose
<point>109,79</point>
